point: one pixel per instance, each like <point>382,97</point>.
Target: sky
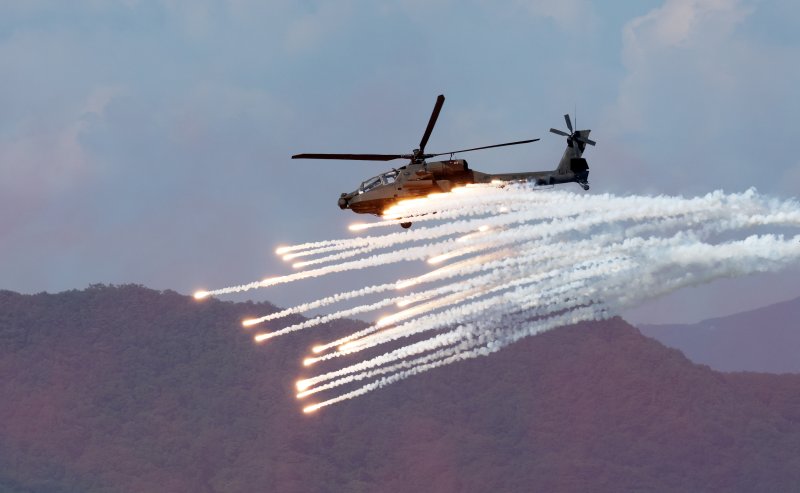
<point>149,142</point>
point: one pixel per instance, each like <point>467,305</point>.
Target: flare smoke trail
<point>510,262</point>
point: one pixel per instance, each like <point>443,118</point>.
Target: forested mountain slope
<point>129,389</point>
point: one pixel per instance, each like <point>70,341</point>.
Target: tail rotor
<point>573,166</point>
<point>573,135</point>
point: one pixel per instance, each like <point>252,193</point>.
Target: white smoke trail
<point>645,208</point>
<point>517,262</point>
<point>754,247</point>
<point>337,298</point>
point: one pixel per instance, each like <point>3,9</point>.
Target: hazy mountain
<point>127,389</point>
<point>763,340</point>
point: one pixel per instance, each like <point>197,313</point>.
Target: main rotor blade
<point>484,147</point>
<point>434,116</point>
<point>569,122</point>
<point>560,132</point>
<point>351,157</point>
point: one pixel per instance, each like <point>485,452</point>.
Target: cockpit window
<point>384,179</point>
<point>389,177</point>
<point>370,184</point>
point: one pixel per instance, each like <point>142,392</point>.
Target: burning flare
<point>532,261</point>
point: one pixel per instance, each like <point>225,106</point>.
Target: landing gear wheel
<point>405,225</point>
<point>585,186</point>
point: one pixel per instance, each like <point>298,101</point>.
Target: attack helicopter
<point>419,177</point>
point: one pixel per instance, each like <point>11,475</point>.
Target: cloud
<point>679,22</point>
<point>161,128</point>
<point>41,158</point>
<point>701,95</point>
<point>706,98</point>
<point>683,38</point>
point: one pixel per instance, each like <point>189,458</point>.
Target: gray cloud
<point>150,141</point>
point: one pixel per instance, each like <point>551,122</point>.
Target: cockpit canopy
<point>384,179</point>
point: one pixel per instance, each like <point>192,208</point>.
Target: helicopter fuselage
<point>419,178</point>
<point>415,180</point>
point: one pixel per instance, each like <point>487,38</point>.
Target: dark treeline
<point>126,389</point>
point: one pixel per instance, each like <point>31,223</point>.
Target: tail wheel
<point>405,225</point>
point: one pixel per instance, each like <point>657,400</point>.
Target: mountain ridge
<point>121,388</point>
<point>766,339</point>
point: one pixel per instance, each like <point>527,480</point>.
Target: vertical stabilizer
<point>574,151</point>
